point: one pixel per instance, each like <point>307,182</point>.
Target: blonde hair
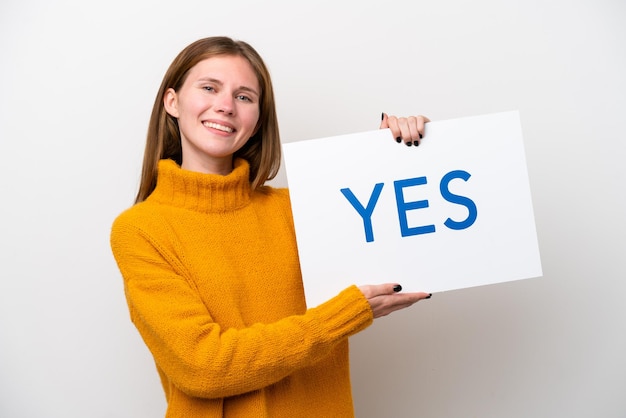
<point>262,151</point>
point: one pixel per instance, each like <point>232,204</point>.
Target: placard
<point>453,213</point>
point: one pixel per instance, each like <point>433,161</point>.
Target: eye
<point>243,98</point>
<point>208,88</point>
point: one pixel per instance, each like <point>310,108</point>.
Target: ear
<point>170,102</point>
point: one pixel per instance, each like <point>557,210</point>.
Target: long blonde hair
<point>262,151</point>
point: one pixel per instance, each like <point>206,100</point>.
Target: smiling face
<point>217,109</point>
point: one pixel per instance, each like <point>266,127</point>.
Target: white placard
<point>453,213</point>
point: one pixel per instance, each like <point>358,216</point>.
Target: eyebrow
<point>218,82</point>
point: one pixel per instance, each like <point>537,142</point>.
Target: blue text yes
<point>403,206</point>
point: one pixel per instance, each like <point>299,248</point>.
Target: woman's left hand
<point>409,130</point>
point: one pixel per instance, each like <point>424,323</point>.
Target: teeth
<point>218,126</point>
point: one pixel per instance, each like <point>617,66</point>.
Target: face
<point>217,110</point>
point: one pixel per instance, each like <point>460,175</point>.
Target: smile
<point>218,127</point>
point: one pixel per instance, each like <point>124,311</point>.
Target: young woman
<point>209,258</point>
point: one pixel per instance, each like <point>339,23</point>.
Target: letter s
<point>460,200</point>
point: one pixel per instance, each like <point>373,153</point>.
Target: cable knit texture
<point>213,284</point>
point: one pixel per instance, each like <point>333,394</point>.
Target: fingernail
<point>408,144</point>
<point>382,116</point>
<point>398,139</point>
<point>430,295</point>
<point>420,136</point>
<point>416,143</point>
<point>397,288</point>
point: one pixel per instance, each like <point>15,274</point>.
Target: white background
<point>78,80</point>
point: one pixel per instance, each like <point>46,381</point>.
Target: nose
<point>225,103</point>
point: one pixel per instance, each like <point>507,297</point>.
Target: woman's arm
<point>199,356</point>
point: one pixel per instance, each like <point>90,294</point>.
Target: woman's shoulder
<point>278,195</point>
<point>274,192</point>
<point>135,218</point>
<point>276,198</point>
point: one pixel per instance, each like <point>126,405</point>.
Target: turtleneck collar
<point>202,192</point>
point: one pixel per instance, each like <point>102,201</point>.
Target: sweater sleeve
<point>199,356</point>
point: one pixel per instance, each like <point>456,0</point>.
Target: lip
<point>209,122</point>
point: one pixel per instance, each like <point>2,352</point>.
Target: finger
<point>413,126</point>
<point>383,305</point>
<point>392,123</point>
<point>417,296</point>
<point>405,131</point>
<point>409,298</point>
<point>383,123</point>
<point>373,290</point>
<point>421,125</point>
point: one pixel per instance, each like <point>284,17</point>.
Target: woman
<point>209,258</point>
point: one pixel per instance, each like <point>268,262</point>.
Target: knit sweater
<point>213,285</point>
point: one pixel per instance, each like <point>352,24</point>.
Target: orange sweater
<point>213,284</point>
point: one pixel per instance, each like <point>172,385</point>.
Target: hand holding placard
<point>386,298</point>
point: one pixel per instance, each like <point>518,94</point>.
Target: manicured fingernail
<point>430,295</point>
<point>382,116</point>
<point>408,144</point>
<point>398,139</point>
<point>421,136</point>
<point>416,143</point>
<point>397,288</point>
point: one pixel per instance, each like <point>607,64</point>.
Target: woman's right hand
<point>386,298</point>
